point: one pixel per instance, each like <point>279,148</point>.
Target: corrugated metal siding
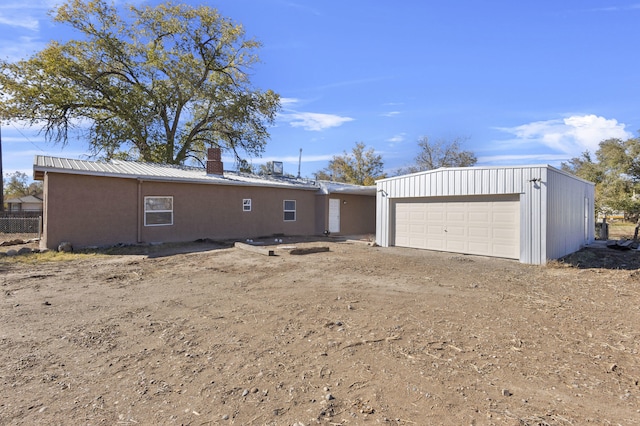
<point>566,228</point>
<point>552,207</point>
<point>449,182</point>
<point>462,181</point>
<point>533,215</point>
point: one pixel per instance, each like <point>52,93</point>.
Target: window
<point>246,205</point>
<point>289,210</point>
<point>158,211</point>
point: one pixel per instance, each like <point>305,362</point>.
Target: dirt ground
<point>206,334</point>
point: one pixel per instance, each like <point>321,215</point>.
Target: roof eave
<point>40,171</point>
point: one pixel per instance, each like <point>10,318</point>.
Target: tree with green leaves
<point>584,167</point>
<point>17,185</point>
<point>616,173</point>
<point>440,153</point>
<point>157,84</point>
<point>359,167</point>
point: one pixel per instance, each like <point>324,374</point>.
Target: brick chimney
<point>214,162</point>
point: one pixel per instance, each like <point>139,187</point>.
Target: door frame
<point>334,208</point>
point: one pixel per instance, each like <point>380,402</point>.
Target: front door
<point>334,215</point>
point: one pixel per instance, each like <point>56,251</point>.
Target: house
<point>529,213</point>
<point>27,203</point>
<point>91,203</point>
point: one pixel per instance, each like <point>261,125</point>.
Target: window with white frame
<point>289,210</point>
<point>158,211</point>
<point>246,205</point>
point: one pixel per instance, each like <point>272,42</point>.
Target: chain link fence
<point>31,225</point>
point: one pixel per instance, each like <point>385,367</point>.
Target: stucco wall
<point>97,211</point>
<point>88,211</point>
<point>357,214</point>
<point>215,211</point>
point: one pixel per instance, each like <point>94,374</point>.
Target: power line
<point>26,137</point>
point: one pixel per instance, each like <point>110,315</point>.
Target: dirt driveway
<point>354,335</point>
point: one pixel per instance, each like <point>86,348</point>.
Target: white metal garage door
<point>484,225</point>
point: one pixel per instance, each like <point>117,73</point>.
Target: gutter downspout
<point>44,219</point>
<point>138,212</point>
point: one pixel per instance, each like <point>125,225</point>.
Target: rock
<point>25,250</point>
<point>225,417</point>
<point>505,392</point>
<point>329,397</point>
<point>12,252</point>
<point>65,247</point>
<point>245,392</point>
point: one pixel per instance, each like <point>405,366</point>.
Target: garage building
<point>529,213</point>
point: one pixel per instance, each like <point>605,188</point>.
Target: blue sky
<point>523,82</point>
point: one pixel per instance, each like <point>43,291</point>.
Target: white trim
<point>152,210</point>
<point>285,210</point>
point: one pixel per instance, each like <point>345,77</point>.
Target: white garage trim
<point>483,225</point>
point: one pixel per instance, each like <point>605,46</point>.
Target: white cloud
<point>294,158</point>
<point>572,135</point>
<point>314,121</point>
<point>288,101</point>
<point>24,48</point>
<point>303,8</point>
<point>616,8</point>
<point>397,138</point>
<point>20,25</point>
<point>26,22</point>
<point>18,14</point>
<point>390,113</point>
<point>511,159</point>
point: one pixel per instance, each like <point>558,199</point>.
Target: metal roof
<point>488,168</point>
<point>24,199</point>
<point>174,173</point>
<point>329,187</point>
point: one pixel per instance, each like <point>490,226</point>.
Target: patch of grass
<point>619,230</point>
<point>48,256</point>
<point>117,250</point>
